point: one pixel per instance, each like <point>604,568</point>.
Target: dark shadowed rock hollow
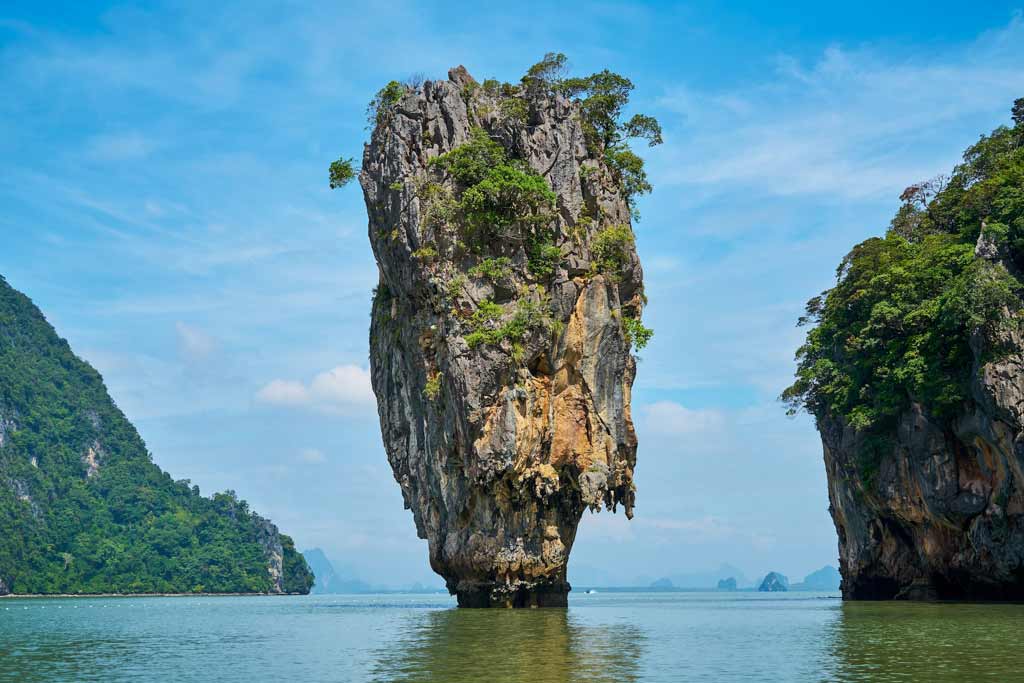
<point>499,349</point>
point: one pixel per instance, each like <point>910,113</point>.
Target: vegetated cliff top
<point>898,326</point>
<point>83,509</point>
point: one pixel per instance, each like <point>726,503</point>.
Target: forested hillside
<point>83,509</point>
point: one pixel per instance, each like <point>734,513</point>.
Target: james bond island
<point>914,371</point>
<point>507,313</point>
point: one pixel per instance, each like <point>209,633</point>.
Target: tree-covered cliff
<point>897,326</point>
<point>914,371</point>
<point>83,509</point>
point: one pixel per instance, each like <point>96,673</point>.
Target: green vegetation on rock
<point>342,172</point>
<point>636,334</point>
<point>488,324</point>
<point>83,509</point>
<point>502,198</point>
<point>897,327</point>
<point>609,250</point>
<point>602,98</point>
<point>494,269</point>
<point>379,108</point>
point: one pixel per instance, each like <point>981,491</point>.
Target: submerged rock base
<point>499,596</point>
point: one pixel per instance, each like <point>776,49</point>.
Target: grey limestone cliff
<point>503,387</point>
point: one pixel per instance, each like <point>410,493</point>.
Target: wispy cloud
<point>312,456</point>
<point>193,343</point>
<point>344,389</point>
<point>668,417</point>
<point>128,146</point>
<point>854,123</point>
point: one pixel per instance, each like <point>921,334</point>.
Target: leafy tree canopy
<point>897,326</point>
<point>342,172</point>
<point>603,97</point>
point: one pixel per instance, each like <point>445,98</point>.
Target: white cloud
<point>283,392</point>
<point>345,384</point>
<point>193,343</point>
<point>670,418</point>
<point>342,389</point>
<point>312,456</point>
<point>852,124</point>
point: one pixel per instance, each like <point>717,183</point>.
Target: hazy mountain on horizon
<point>328,579</point>
<point>707,579</point>
<point>825,579</point>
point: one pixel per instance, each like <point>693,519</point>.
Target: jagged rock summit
<point>500,343</point>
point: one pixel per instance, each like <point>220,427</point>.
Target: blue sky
<point>165,203</point>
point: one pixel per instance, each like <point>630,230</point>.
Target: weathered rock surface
<point>943,517</point>
<point>498,449</point>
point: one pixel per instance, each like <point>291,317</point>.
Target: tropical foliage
<point>898,325</point>
<point>83,509</point>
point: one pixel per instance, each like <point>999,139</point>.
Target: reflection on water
<point>633,637</point>
<point>501,646</point>
<point>899,641</point>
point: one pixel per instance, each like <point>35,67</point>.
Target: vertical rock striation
<point>501,361</point>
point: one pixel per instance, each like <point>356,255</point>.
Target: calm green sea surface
<point>603,637</point>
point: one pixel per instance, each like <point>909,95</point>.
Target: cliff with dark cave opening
<point>914,371</point>
<point>502,329</point>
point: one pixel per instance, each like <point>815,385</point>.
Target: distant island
<point>328,580</point>
<point>83,509</point>
<point>729,578</point>
<point>774,582</point>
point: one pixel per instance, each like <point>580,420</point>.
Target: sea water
<point>609,637</point>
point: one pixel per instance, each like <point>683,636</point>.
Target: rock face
<point>774,582</point>
<point>944,517</point>
<point>727,584</point>
<point>499,447</point>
